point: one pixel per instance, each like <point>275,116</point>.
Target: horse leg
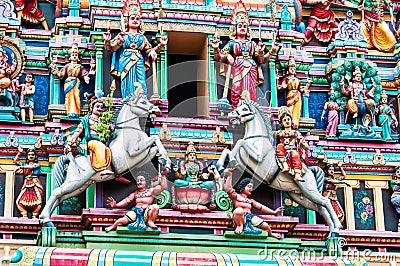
<point>313,194</point>
<point>221,161</point>
<point>308,204</point>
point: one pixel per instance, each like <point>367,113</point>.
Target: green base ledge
<point>126,230</point>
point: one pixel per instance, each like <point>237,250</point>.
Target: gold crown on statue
<point>190,148</point>
<point>357,70</point>
<point>132,8</point>
<point>239,14</point>
<point>383,94</point>
<point>291,61</point>
<point>74,49</point>
<point>284,110</point>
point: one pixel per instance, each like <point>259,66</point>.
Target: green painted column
<point>212,75</point>
<point>90,196</point>
<point>54,90</point>
<point>311,217</point>
<point>162,71</point>
<point>272,80</point>
<point>98,88</point>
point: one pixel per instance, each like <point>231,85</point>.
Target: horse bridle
<point>131,104</point>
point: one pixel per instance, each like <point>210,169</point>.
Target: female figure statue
<point>30,197</point>
<point>243,55</point>
<point>132,49</point>
<point>332,185</point>
<point>190,172</point>
<point>73,71</point>
<point>290,150</point>
<point>333,116</point>
<point>386,116</point>
<point>292,84</point>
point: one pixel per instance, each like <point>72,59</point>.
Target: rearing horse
<point>131,149</point>
<point>255,154</point>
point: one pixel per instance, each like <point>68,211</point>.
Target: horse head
<point>242,114</point>
<point>141,106</point>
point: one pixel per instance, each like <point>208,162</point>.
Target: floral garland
<point>364,208</point>
<point>103,126</point>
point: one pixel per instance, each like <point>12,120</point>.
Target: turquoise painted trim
<point>200,134</point>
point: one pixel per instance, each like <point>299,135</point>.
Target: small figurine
<point>100,154</point>
<point>361,100</point>
<point>322,23</point>
<point>132,49</point>
<point>376,30</point>
<point>243,55</point>
<point>26,100</point>
<point>30,197</point>
<point>28,11</point>
<point>292,84</point>
<point>386,117</point>
<point>290,150</point>
<point>333,116</point>
<point>190,172</point>
<point>246,221</point>
<point>395,186</point>
<point>332,185</point>
<point>73,71</point>
<point>144,213</point>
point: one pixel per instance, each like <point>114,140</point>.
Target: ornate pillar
<point>212,75</point>
<point>305,112</point>
<point>9,194</point>
<point>54,90</point>
<point>272,80</point>
<point>98,88</point>
<point>377,186</point>
<point>349,203</point>
<point>162,77</point>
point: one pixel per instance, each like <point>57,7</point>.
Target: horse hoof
<point>48,224</point>
<point>233,164</point>
<point>335,234</point>
<point>162,161</point>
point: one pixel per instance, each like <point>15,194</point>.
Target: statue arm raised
<point>228,185</point>
<point>162,185</point>
<point>16,158</point>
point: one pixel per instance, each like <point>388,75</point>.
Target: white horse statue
<point>131,149</point>
<point>255,154</point>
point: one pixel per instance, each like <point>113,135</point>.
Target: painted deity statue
<point>246,221</point>
<point>30,197</point>
<point>332,107</point>
<point>243,55</point>
<point>332,184</point>
<point>290,151</point>
<point>386,117</point>
<point>132,49</point>
<point>292,84</point>
<point>28,11</point>
<point>100,155</point>
<point>361,100</point>
<point>26,99</point>
<point>376,30</point>
<point>395,186</point>
<point>322,23</point>
<point>72,71</point>
<point>190,172</point>
<point>145,213</point>
<point>6,71</point>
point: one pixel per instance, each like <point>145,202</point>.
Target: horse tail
<point>58,170</point>
<point>319,177</point>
